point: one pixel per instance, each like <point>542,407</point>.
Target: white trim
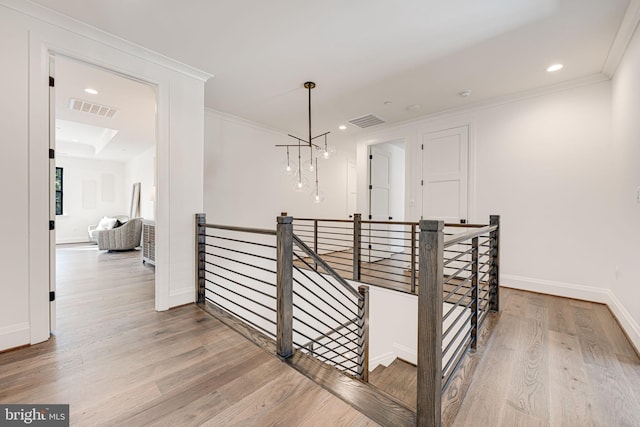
<point>14,335</point>
<point>405,353</point>
<point>459,113</point>
<point>242,121</point>
<point>384,360</point>
<point>80,28</point>
<point>623,38</point>
<point>76,239</point>
<point>182,296</point>
<point>575,291</point>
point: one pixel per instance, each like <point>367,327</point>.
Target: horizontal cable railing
<point>272,281</point>
<point>328,313</point>
<point>291,284</point>
<point>239,268</point>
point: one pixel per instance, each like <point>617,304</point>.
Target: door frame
<point>52,164</point>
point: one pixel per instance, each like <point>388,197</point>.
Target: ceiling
<point>366,56</point>
<point>129,131</point>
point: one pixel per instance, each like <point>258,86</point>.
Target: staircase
<point>399,379</point>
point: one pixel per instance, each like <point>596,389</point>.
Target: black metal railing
<point>291,288</point>
<point>263,277</point>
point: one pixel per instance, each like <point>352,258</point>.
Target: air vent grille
<point>366,121</point>
<point>91,108</point>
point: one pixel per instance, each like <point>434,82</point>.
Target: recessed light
<point>75,140</point>
<point>555,67</point>
<point>387,102</point>
<point>342,127</point>
<point>464,93</point>
<point>91,91</point>
<point>414,107</point>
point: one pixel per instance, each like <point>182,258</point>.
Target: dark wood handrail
<point>461,237</point>
<point>241,229</point>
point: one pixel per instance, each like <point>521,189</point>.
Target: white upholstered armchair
<point>125,237</point>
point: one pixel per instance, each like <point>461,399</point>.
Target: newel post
<point>430,277</point>
<point>494,273</point>
<point>284,287</point>
<point>201,220</point>
<point>357,247</point>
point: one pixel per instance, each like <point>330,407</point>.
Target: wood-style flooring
<point>548,361</point>
<point>118,362</point>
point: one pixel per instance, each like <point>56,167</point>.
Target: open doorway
<point>386,196</point>
<point>103,142</point>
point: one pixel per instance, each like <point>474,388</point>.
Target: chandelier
<point>295,169</point>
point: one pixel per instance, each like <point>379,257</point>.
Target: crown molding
<point>242,121</point>
<point>64,22</point>
<point>472,108</point>
<point>623,38</point>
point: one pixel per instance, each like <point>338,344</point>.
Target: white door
<point>52,196</point>
<point>377,236</point>
<point>445,164</point>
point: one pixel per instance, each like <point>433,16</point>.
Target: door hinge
<point>370,156</point>
<point>370,217</point>
<point>369,246</point>
<point>52,225</point>
<point>422,182</point>
<point>371,187</point>
<point>52,296</point>
<point>463,221</point>
<point>52,153</point>
<point>422,147</point>
<point>52,82</point>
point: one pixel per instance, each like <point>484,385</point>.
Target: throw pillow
<point>106,223</point>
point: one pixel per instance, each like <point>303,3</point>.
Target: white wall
<point>142,169</point>
<point>549,165</point>
<point>27,34</point>
<point>625,224</point>
<point>14,186</point>
<point>244,185</point>
<point>77,214</point>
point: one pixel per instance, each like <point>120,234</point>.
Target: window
<point>58,191</point>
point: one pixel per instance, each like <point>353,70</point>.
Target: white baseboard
<point>182,296</point>
<point>64,240</point>
<point>14,336</point>
<point>405,353</point>
<point>586,293</point>
<point>384,359</point>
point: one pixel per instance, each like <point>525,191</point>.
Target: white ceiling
<point>80,134</point>
<point>362,53</point>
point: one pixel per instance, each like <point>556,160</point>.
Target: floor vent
<point>366,121</point>
<point>91,108</point>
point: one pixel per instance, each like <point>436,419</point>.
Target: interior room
<point>422,165</point>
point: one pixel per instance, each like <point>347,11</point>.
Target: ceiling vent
<point>91,108</point>
<point>366,121</point>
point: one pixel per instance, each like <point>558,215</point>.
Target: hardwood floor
<point>553,361</point>
<point>118,362</point>
<point>549,361</point>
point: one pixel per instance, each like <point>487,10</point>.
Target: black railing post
<point>201,220</point>
<point>284,287</point>
<point>430,276</point>
<point>357,245</point>
<point>494,275</point>
<point>315,240</point>
<point>413,258</point>
<point>363,333</point>
<point>474,293</point>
